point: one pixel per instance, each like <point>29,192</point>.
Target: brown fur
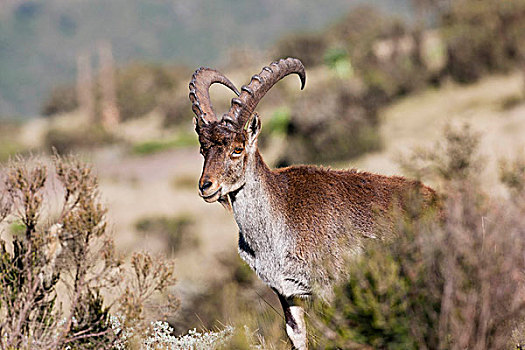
<point>315,199</point>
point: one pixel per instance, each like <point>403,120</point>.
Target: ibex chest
<point>266,244</point>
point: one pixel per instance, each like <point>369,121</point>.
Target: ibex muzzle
<point>296,224</point>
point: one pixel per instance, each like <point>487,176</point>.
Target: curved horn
<point>199,95</point>
<point>243,106</point>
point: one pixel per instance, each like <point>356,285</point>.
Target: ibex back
<point>293,222</point>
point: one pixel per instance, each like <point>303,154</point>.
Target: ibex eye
<point>237,150</point>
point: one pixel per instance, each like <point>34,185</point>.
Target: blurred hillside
<point>40,40</point>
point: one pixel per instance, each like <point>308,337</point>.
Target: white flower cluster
<point>159,337</point>
<point>124,334</point>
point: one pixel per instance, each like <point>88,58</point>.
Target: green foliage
<point>91,316</point>
<point>17,228</point>
<point>181,140</point>
<point>8,148</point>
<point>9,144</point>
<point>279,122</point>
<point>337,59</point>
<point>372,307</point>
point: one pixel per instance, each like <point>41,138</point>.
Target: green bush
<point>181,140</point>
<point>339,61</point>
<point>279,122</point>
<point>372,307</point>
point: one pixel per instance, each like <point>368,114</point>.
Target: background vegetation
<point>55,31</point>
<point>380,88</point>
<point>450,285</point>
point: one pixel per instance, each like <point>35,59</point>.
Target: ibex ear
<point>253,128</point>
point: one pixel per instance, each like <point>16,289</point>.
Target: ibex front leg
<point>295,325</point>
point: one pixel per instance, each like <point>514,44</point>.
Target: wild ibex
<point>293,222</point>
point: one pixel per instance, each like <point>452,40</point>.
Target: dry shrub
<point>309,48</point>
<point>482,37</point>
<point>62,99</point>
<point>176,231</point>
<point>238,298</point>
<point>512,174</point>
<point>140,89</point>
<point>453,159</point>
<point>331,122</point>
<point>60,262</point>
<point>68,140</point>
<point>384,77</point>
<point>450,280</point>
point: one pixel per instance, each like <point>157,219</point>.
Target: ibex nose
<point>210,191</point>
<point>205,184</point>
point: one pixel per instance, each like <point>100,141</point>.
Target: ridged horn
<point>199,95</point>
<point>242,107</point>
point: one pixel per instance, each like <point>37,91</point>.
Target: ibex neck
<point>253,201</point>
<point>265,242</point>
<point>258,167</point>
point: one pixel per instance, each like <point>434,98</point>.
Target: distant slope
<point>418,120</point>
<point>39,40</point>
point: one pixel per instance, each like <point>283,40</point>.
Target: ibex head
<point>228,143</point>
